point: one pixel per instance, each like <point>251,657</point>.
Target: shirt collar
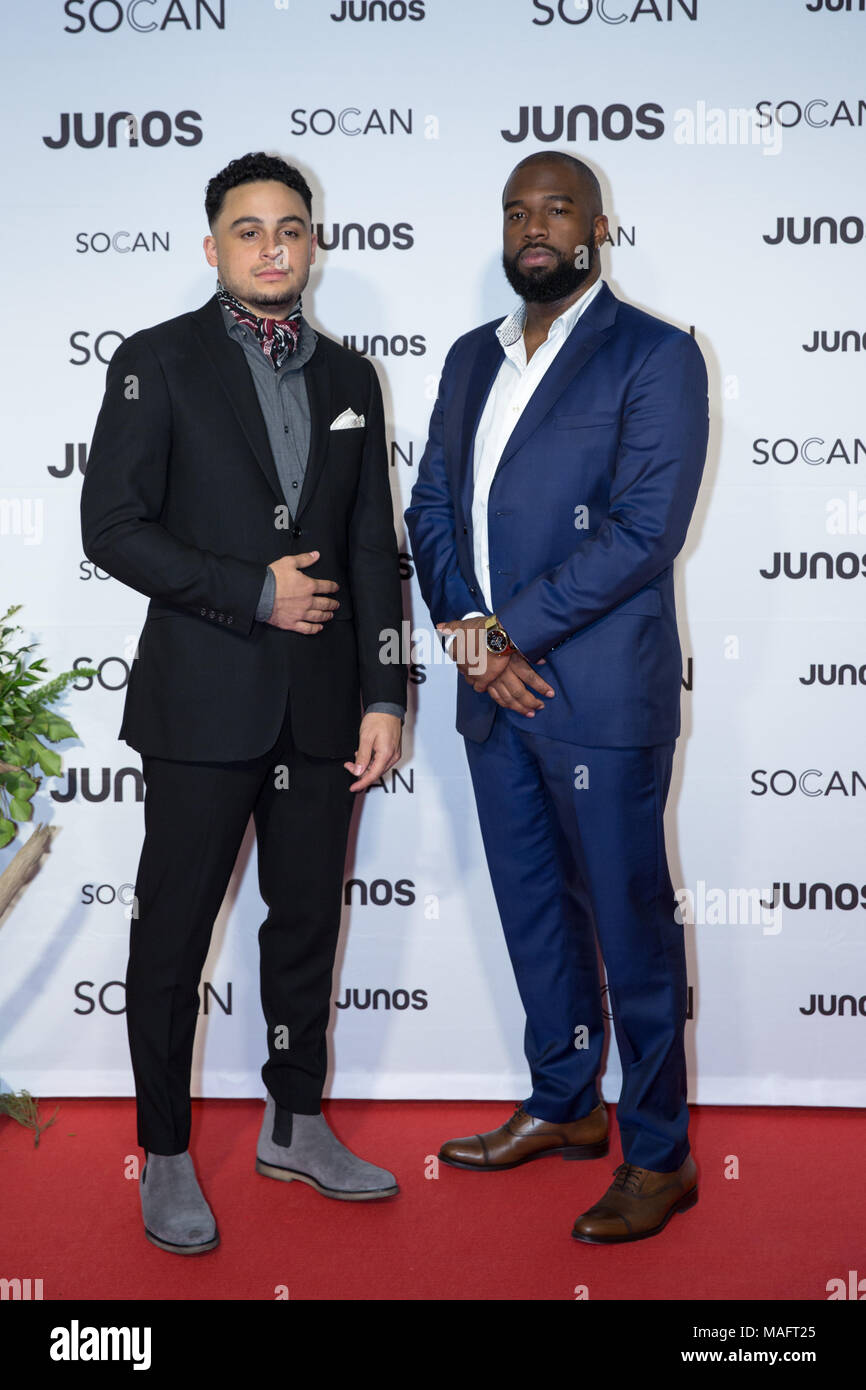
<point>511,328</point>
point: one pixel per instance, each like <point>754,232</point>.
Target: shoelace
<point>628,1178</point>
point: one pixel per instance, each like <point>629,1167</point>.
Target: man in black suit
<point>238,476</point>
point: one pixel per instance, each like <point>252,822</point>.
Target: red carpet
<point>792,1220</point>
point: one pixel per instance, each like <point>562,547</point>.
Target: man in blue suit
<point>564,458</point>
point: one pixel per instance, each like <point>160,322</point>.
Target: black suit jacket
<point>181,501</point>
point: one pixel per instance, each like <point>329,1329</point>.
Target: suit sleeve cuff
<point>385,707</point>
<point>266,600</point>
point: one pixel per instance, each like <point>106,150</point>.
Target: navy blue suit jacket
<point>618,425</point>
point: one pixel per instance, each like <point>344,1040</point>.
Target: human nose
<point>535,227</point>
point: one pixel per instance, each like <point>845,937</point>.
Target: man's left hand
<point>379,748</point>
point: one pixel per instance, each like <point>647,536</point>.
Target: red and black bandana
<point>278,338</point>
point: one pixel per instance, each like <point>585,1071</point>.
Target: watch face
<point>497,640</point>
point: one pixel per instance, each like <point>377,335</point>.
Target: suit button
<point>466,530</point>
<point>204,612</point>
<point>211,614</point>
<point>296,531</point>
<point>473,590</point>
<point>222,617</point>
<point>229,620</point>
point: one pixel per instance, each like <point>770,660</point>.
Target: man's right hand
<point>514,688</point>
<point>300,605</point>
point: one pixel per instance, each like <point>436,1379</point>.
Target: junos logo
<point>155,128</point>
<point>386,999</point>
<point>845,896</point>
<point>834,675</point>
<point>381,346</point>
<point>578,123</point>
<point>352,236</point>
<point>395,10</point>
<point>814,232</point>
<point>110,788</point>
<point>851,338</point>
<point>821,565</point>
<point>835,1006</point>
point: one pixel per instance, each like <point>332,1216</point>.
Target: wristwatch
<point>498,641</point>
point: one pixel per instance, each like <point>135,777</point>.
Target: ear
<point>210,250</point>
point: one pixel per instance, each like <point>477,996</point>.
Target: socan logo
<point>812,450</point>
<point>122,128</point>
<point>143,16</point>
<point>615,12</point>
<point>816,113</point>
<point>100,351</point>
<point>351,120</point>
<point>121,242</point>
<point>783,782</point>
<point>582,122</point>
<point>110,997</point>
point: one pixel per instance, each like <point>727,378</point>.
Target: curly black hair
<point>251,168</point>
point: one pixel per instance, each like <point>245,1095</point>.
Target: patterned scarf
<point>278,338</point>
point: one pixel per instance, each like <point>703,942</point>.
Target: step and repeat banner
<point>728,136</point>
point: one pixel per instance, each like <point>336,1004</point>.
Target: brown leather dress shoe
<point>638,1203</point>
<point>523,1138</point>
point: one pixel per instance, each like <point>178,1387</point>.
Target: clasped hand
<point>508,679</point>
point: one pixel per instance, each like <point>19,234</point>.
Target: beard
<point>542,286</point>
<point>259,299</point>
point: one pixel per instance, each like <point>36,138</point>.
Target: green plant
<point>25,721</point>
<point>23,1108</point>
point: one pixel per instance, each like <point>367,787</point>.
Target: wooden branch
<point>24,865</point>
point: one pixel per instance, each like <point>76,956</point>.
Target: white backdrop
<point>399,115</point>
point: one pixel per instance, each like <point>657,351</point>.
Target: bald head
<point>573,169</point>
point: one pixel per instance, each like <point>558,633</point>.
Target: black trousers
<point>195,817</point>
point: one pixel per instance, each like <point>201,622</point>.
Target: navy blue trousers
<point>574,839</point>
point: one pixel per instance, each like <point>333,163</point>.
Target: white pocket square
<point>348,421</point>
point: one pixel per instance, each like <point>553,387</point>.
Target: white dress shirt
<point>509,396</point>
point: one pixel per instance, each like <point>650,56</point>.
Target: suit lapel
<point>481,379</point>
<point>592,329</point>
<point>228,361</point>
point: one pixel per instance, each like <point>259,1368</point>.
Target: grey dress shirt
<point>285,406</point>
